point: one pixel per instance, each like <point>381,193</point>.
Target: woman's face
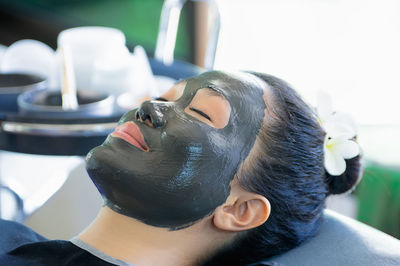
<point>170,162</point>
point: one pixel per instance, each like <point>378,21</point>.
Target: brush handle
<point>68,88</point>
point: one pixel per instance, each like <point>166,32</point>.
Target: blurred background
<point>348,48</point>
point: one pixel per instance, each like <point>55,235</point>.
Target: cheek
<point>177,135</point>
<point>181,136</point>
<point>220,143</point>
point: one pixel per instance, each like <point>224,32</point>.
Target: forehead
<point>244,91</point>
<point>222,83</point>
<point>238,84</point>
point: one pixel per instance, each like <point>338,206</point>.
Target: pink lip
<point>130,132</point>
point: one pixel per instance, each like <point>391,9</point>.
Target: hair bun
<point>348,180</point>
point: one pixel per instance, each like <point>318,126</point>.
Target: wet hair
<point>287,168</point>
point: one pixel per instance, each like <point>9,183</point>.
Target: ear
<point>246,211</point>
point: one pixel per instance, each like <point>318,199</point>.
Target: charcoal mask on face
<point>187,170</point>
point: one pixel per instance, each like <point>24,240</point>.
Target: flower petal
<point>334,162</point>
<point>324,105</point>
<point>347,149</point>
<point>335,130</point>
<point>340,124</point>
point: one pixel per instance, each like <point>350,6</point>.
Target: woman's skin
<point>144,240</point>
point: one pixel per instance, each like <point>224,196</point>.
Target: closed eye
<point>200,113</point>
<point>160,99</point>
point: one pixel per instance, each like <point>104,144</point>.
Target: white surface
<point>121,72</point>
<point>87,44</point>
<point>144,73</point>
<point>35,178</point>
<point>59,195</point>
<point>112,71</point>
<point>348,48</point>
<point>70,210</point>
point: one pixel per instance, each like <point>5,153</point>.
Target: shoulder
<point>51,252</point>
<point>19,245</point>
<point>344,241</point>
<point>15,234</point>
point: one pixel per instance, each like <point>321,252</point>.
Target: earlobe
<point>243,214</point>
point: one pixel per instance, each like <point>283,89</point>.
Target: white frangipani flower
<point>336,150</point>
<point>340,129</point>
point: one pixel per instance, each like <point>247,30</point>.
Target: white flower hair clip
<point>340,130</point>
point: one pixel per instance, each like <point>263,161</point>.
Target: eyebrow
<point>214,91</point>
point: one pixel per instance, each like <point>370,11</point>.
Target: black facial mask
<point>187,171</point>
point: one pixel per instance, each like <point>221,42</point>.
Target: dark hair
<point>287,168</point>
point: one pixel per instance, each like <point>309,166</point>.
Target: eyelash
<point>200,113</point>
<point>191,108</point>
<point>160,99</point>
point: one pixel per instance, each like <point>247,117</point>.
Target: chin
<point>98,157</point>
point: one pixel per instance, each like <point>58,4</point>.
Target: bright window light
<point>351,49</point>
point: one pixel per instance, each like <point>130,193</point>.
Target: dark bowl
<point>13,84</point>
<point>45,103</point>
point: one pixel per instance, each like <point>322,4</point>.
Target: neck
<point>129,240</point>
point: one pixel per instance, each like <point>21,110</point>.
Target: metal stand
<point>169,21</point>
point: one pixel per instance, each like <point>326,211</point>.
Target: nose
<point>152,114</point>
